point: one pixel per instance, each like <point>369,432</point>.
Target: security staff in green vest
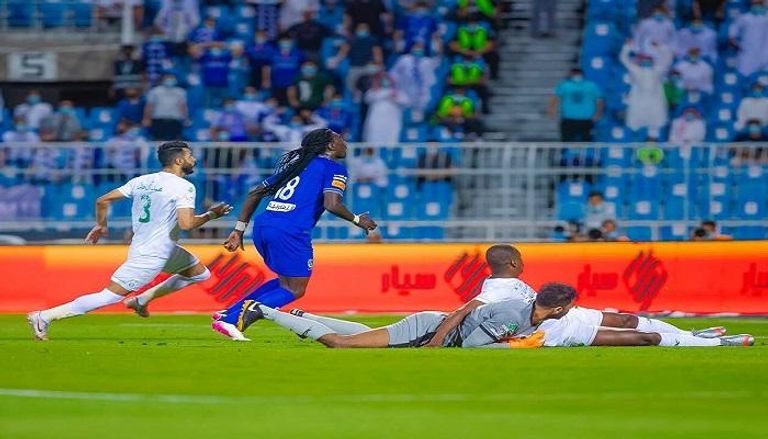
<point>471,72</point>
<point>475,38</point>
<point>457,112</point>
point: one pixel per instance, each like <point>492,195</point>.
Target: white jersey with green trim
<point>153,214</point>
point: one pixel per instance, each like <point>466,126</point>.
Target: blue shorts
<point>287,252</point>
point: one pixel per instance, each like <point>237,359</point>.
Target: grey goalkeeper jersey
<point>494,321</point>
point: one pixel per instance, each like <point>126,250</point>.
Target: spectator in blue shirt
<point>332,15</point>
<point>214,72</point>
<point>260,55</point>
<point>205,35</point>
<point>230,125</point>
<point>417,26</point>
<point>156,55</point>
<point>360,49</point>
<point>336,114</point>
<point>131,107</point>
<point>284,69</point>
<point>581,105</point>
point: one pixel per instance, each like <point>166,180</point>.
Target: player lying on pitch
<point>578,328</point>
<point>163,203</point>
<point>492,324</point>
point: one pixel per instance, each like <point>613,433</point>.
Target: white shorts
<point>138,271</point>
<point>577,328</point>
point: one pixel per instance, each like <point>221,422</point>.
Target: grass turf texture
<point>172,377</point>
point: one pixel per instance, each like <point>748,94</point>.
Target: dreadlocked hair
<point>294,162</point>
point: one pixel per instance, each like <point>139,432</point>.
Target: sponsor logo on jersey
<point>151,186</point>
<point>511,327</point>
<point>277,206</point>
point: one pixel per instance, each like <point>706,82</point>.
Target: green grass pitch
<point>118,376</point>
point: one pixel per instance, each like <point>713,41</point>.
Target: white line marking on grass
<point>383,398</point>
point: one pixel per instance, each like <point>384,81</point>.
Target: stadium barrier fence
<point>695,277</point>
<point>490,192</point>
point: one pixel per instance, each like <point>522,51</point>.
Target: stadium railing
<point>490,192</point>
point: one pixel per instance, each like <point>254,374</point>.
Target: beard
<point>188,169</point>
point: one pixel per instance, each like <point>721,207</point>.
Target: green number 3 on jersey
<point>147,203</point>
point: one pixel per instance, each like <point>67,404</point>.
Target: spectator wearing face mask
<point>204,36</point>
<point>177,18</point>
<point>284,69</point>
<point>298,125</point>
<point>647,105</point>
<point>385,112</point>
<point>580,104</point>
<point>230,125</point>
<point>127,72</point>
<point>123,151</point>
<point>749,33</point>
<point>753,107</point>
<point>131,107</point>
<point>62,126</point>
<point>598,211</point>
<point>610,231</point>
<point>754,132</point>
<point>309,35</point>
<point>673,90</point>
<point>371,12</point>
<point>457,113</point>
<point>260,55</point>
<point>656,30</point>
<point>369,168</point>
<point>697,35</point>
<point>419,25</point>
<point>166,110</point>
<point>156,56</point>
<point>22,133</point>
<point>253,111</point>
<point>214,72</point>
<point>292,12</point>
<point>311,88</point>
<point>697,74</point>
<point>33,110</point>
<point>361,49</point>
<point>414,73</point>
<point>689,129</point>
<point>336,114</point>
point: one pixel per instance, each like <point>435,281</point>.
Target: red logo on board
<point>644,278</point>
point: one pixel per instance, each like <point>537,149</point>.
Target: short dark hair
<point>595,194</point>
<point>500,255</point>
<point>595,234</point>
<point>168,151</point>
<point>555,294</point>
<point>710,223</point>
<point>700,232</point>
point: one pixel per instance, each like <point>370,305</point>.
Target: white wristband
<point>356,220</point>
<point>241,226</point>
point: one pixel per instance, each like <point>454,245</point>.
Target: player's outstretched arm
<point>451,322</point>
<point>235,239</point>
<point>189,221</point>
<point>102,206</point>
<point>332,203</point>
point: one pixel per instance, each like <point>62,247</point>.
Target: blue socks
<point>270,293</point>
<point>234,311</point>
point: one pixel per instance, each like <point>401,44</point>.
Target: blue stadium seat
<point>676,232</point>
<point>750,232</point>
<point>639,233</point>
<point>640,209</point>
<point>20,13</point>
<point>367,197</point>
<point>82,14</point>
<point>102,116</point>
<point>52,14</point>
<point>601,38</point>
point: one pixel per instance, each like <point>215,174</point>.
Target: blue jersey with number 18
<point>299,203</point>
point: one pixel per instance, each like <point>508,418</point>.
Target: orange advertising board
<point>712,277</point>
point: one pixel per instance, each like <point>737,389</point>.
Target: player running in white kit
<point>163,204</point>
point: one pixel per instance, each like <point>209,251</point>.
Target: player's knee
<point>204,276</point>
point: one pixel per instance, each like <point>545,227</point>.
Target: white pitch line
<point>383,398</point>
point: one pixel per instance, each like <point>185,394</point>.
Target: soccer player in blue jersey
<point>307,181</point>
